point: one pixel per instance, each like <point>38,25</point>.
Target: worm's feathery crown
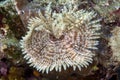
<point>61,40</point>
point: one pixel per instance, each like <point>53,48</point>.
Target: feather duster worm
<point>58,40</point>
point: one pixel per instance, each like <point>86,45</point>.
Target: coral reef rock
<point>115,43</point>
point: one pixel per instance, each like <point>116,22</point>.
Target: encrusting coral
<point>54,1</point>
<point>115,43</point>
<point>58,40</point>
